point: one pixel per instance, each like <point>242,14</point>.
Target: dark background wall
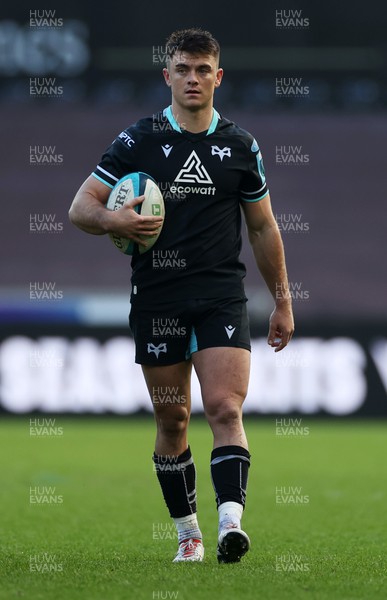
<point>103,65</point>
<point>67,89</point>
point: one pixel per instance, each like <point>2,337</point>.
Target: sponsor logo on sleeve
<point>126,138</point>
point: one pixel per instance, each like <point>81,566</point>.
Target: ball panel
<point>153,206</point>
<point>126,189</point>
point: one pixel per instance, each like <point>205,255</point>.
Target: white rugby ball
<point>126,189</point>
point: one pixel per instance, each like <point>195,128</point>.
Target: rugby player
<point>191,282</point>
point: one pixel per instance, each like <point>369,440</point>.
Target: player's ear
<point>166,76</point>
<point>219,76</point>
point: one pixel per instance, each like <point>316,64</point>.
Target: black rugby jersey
<point>203,178</point>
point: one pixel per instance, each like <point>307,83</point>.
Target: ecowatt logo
<point>193,171</point>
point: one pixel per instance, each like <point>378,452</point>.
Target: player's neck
<point>193,121</point>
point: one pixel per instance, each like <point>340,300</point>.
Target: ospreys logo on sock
<point>193,171</point>
<point>157,349</point>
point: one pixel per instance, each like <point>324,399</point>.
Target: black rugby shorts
<point>169,333</point>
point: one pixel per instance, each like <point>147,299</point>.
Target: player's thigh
<point>169,388</point>
<point>223,374</point>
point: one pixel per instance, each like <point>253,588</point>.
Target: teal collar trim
<point>214,122</point>
<point>167,112</point>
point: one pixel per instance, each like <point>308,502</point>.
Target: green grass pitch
<point>101,531</point>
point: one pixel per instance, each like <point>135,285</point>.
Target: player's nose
<point>192,77</point>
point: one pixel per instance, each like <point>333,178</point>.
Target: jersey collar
<point>167,112</point>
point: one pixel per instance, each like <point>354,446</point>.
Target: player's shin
<point>229,470</point>
<point>229,473</point>
<point>177,478</point>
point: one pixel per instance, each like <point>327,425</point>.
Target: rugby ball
<point>125,190</point>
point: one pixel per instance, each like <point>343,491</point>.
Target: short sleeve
<point>253,185</point>
<point>118,160</point>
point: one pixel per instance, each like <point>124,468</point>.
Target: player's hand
<point>126,223</point>
<point>281,326</point>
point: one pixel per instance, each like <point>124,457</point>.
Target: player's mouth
<point>193,92</point>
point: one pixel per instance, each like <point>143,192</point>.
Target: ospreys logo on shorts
<point>157,349</point>
<point>193,171</point>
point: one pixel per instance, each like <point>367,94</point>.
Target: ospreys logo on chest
<point>193,172</point>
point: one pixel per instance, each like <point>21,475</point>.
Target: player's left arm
<point>268,249</point>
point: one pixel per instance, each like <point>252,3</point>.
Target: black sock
<point>229,472</point>
<point>177,477</point>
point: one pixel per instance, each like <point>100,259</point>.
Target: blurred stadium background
<point>309,81</point>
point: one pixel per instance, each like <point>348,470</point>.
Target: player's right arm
<point>88,212</point>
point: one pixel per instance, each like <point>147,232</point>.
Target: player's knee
<point>172,421</point>
<point>224,411</point>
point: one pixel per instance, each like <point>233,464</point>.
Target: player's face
<point>193,79</point>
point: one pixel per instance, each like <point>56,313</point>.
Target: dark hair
<point>193,41</point>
